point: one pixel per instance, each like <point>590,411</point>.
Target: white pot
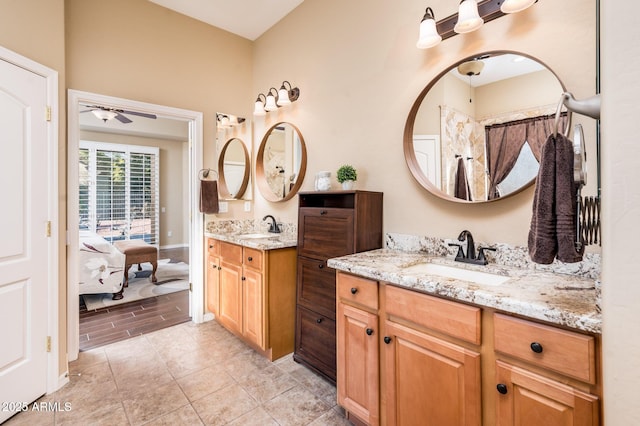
<point>347,184</point>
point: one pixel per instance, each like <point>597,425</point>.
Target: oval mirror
<point>475,132</point>
<point>233,164</point>
<point>281,162</point>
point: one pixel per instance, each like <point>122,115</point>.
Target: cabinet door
<point>316,342</point>
<point>429,381</point>
<point>231,296</point>
<point>252,307</point>
<point>213,284</point>
<point>526,398</point>
<point>358,366</point>
<point>316,286</point>
<point>325,232</point>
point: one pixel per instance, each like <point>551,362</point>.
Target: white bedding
<point>101,265</point>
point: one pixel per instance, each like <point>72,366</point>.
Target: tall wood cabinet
<point>330,224</point>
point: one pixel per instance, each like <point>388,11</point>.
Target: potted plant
<point>346,176</point>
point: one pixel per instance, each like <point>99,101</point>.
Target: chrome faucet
<point>470,255</point>
<point>274,228</point>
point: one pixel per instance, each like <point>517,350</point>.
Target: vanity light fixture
<point>226,121</point>
<point>276,98</point>
<point>471,16</point>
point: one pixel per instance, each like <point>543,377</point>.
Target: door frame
<point>54,379</point>
<point>196,222</point>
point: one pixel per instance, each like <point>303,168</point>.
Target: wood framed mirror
<point>281,162</point>
<point>234,170</point>
<point>447,144</point>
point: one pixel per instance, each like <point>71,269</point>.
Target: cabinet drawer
<point>452,318</point>
<point>328,232</point>
<point>316,341</point>
<point>231,252</point>
<point>353,289</point>
<point>317,286</point>
<point>252,258</point>
<point>213,246</point>
<point>565,352</point>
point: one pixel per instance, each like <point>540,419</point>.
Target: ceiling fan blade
<point>141,114</point>
<point>121,118</point>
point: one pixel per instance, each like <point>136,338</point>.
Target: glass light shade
<point>224,122</point>
<point>429,36</point>
<point>468,17</point>
<point>513,6</point>
<point>233,120</point>
<point>283,96</point>
<point>259,108</point>
<point>103,114</point>
<point>270,105</point>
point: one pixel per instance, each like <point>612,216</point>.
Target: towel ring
<point>564,96</point>
<point>204,173</point>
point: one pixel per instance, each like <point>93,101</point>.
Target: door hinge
<point>48,113</point>
<point>190,287</point>
<point>48,343</point>
<point>48,231</point>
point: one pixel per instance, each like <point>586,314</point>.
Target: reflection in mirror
<point>281,162</point>
<point>233,168</point>
<point>475,132</point>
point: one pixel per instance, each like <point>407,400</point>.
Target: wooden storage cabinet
<point>253,295</point>
<point>330,224</point>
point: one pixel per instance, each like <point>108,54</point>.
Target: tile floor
<point>188,374</point>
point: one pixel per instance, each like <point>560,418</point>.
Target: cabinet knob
<point>536,347</point>
<point>387,339</point>
<point>323,212</point>
<point>219,268</point>
<point>244,278</point>
<point>369,331</point>
<point>354,290</point>
<point>502,388</point>
<point>319,320</point>
<point>320,266</point>
<point>210,246</point>
<point>250,259</point>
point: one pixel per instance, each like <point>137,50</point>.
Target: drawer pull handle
<point>387,339</point>
<point>536,347</point>
<point>319,320</point>
<point>369,331</point>
<point>502,388</point>
<point>354,290</point>
<point>320,266</point>
<point>250,259</point>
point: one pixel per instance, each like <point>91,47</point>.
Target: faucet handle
<point>481,255</point>
<point>459,254</point>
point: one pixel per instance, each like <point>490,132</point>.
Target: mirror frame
<point>409,153</point>
<point>261,179</point>
<point>223,188</point>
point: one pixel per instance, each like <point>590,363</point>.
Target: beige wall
<point>360,76</point>
<point>174,182</point>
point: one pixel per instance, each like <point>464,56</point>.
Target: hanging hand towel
<point>543,245</point>
<point>208,196</point>
<point>462,189</point>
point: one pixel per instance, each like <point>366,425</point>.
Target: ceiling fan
<point>107,113</point>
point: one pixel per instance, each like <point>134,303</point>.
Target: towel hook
<point>204,173</point>
<point>556,124</point>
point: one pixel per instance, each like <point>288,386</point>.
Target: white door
<point>427,150</point>
<point>24,253</point>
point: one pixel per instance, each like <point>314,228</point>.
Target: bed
<point>101,266</point>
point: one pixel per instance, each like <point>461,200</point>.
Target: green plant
<point>347,172</point>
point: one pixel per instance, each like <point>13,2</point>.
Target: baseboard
<point>63,380</point>
<point>208,317</point>
<point>173,246</point>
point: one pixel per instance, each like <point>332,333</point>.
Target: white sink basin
<point>477,277</point>
<point>254,236</point>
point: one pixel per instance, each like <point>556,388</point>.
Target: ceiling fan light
<point>513,6</point>
<point>468,17</point>
<point>429,36</point>
<point>104,115</point>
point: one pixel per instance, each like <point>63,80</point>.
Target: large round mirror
<point>475,132</point>
<point>233,165</point>
<point>281,162</point>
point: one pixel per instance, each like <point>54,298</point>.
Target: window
<point>119,194</point>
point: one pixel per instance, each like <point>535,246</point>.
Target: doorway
<point>193,119</point>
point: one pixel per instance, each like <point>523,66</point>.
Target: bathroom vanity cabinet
<point>404,356</point>
<point>330,224</point>
<point>252,293</point>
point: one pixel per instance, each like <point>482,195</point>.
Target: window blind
<point>119,191</point>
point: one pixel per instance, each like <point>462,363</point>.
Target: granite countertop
<point>566,300</point>
<point>272,242</point>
